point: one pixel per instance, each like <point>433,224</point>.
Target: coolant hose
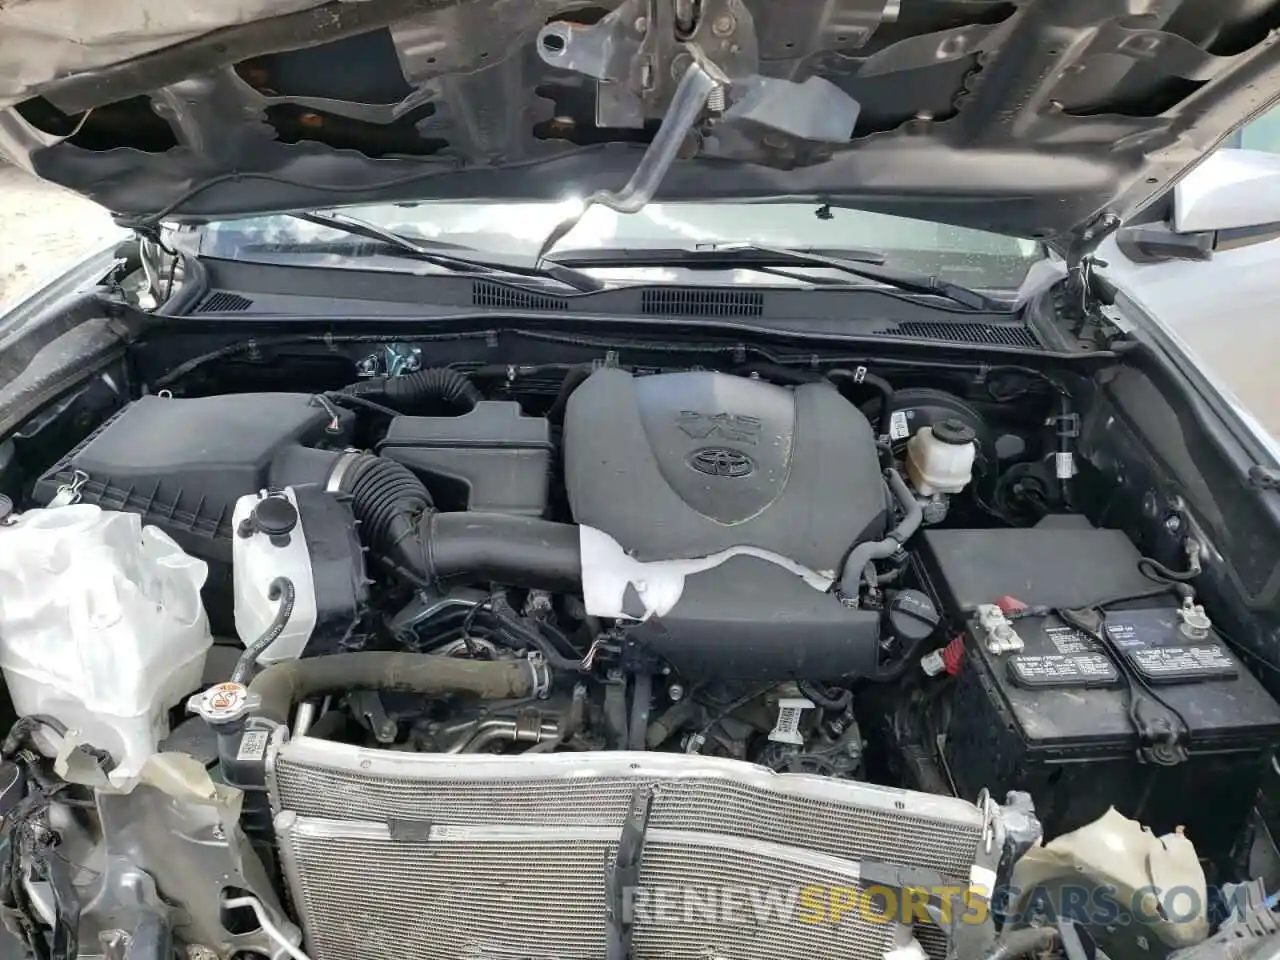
<point>281,589</point>
<point>282,685</point>
<point>864,553</point>
<point>400,523</point>
<point>419,391</point>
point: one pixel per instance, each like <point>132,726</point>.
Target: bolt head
<point>723,25</point>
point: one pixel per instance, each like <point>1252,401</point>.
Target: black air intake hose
<point>420,391</point>
<point>388,500</point>
<point>400,523</point>
<point>499,547</point>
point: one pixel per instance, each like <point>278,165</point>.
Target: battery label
<point>1071,640</point>
<point>1126,636</point>
<point>1062,670</point>
<point>1158,650</point>
<point>1171,664</point>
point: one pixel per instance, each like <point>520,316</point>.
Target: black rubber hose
<point>828,698</point>
<point>420,391</point>
<point>880,385</point>
<point>531,639</point>
<point>899,666</point>
<point>793,376</point>
<point>778,373</point>
<point>572,381</point>
<point>863,553</point>
<point>281,589</point>
<point>282,685</point>
<point>641,705</point>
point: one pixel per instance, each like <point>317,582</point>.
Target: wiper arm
<point>867,264</point>
<point>447,255</point>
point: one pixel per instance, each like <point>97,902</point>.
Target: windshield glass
<point>969,257</point>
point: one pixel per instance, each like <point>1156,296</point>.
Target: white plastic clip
<point>932,663</point>
<point>786,729</point>
<point>69,493</point>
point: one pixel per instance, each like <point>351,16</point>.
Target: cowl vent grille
<point>986,334</point>
<point>220,302</point>
<point>685,302</point>
<point>486,294</point>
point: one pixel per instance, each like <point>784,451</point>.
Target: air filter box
<point>183,463</point>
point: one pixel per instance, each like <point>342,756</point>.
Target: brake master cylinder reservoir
<point>101,626</point>
<point>940,457</point>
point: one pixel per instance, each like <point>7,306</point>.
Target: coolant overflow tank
<point>308,536</point>
<point>271,543</point>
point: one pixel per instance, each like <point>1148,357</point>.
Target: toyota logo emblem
<point>721,462</point>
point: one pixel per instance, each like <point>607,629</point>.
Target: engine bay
<point>434,589</point>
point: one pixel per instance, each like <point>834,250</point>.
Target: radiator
<point>401,856</point>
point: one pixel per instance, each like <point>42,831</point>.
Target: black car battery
<point>1076,715</point>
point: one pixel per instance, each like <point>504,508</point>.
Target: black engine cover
<point>683,465</point>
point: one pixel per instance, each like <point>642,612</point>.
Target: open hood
<point>1053,119</point>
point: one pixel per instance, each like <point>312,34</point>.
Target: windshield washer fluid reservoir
<point>940,457</point>
<point>101,626</point>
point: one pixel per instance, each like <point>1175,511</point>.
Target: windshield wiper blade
<point>859,263</point>
<point>451,256</point>
<point>709,256</point>
<point>904,280</point>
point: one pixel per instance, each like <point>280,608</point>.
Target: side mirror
<point>1231,199</point>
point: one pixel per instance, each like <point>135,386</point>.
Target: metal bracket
<point>367,705</point>
<point>697,85</point>
<point>393,360</point>
<point>623,874</point>
<point>635,54</point>
<point>639,52</point>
